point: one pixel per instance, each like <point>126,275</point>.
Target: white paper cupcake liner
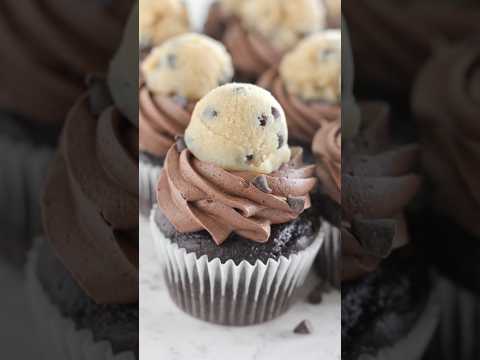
<point>147,186</point>
<point>59,336</point>
<point>328,261</point>
<point>231,294</point>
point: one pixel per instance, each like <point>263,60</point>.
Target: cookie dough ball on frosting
<point>312,71</point>
<point>188,65</point>
<point>239,127</point>
<point>284,22</point>
<point>160,20</point>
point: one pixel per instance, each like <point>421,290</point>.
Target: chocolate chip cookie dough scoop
<point>82,277</point>
<point>176,75</point>
<point>267,29</point>
<point>234,222</point>
<point>307,83</point>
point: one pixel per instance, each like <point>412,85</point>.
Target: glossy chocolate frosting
<point>90,205</point>
<point>378,182</point>
<point>196,195</point>
<point>48,48</point>
<point>446,102</point>
<point>162,118</point>
<point>304,118</point>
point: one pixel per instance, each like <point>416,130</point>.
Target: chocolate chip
<point>297,204</point>
<point>275,112</point>
<point>263,120</point>
<point>261,184</point>
<point>249,157</point>
<point>172,61</point>
<point>180,143</point>
<point>210,112</point>
<point>281,141</point>
<point>316,295</point>
<point>304,328</point>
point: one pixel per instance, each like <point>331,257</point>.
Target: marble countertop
<point>168,333</point>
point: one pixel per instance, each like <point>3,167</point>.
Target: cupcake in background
<point>334,13</point>
<point>234,212</point>
<point>82,275</point>
<point>266,30</point>
<point>220,15</point>
<point>160,20</point>
<point>175,76</point>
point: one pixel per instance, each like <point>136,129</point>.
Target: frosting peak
<point>196,195</point>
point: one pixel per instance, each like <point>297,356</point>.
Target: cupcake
<point>82,276</point>
<point>176,75</point>
<point>220,15</point>
<point>267,29</point>
<point>307,85</point>
<point>49,47</point>
<point>447,118</point>
<point>234,224</point>
<point>159,21</point>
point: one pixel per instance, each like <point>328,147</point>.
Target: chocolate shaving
<point>263,120</point>
<point>210,112</point>
<point>375,235</point>
<point>297,204</point>
<point>180,143</point>
<point>261,184</point>
<point>304,328</point>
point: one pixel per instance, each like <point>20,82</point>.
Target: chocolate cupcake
<point>447,118</point>
<point>82,277</point>
<point>266,30</point>
<point>176,75</point>
<point>307,85</point>
<point>159,21</point>
<point>234,223</point>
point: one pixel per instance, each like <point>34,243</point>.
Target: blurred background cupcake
<point>82,276</point>
<point>176,75</point>
<point>221,14</point>
<point>234,211</point>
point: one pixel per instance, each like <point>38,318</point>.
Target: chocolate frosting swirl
<point>448,116</point>
<point>217,21</point>
<point>162,118</point>
<point>378,181</point>
<point>196,195</point>
<point>252,55</point>
<point>44,63</point>
<point>90,205</point>
<point>304,118</point>
<point>327,148</point>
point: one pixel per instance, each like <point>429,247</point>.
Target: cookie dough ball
<point>239,127</point>
<point>284,22</point>
<point>160,20</point>
<point>188,65</point>
<point>232,7</point>
<point>312,71</point>
<point>122,81</point>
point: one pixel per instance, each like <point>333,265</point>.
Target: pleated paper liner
<point>231,294</point>
<point>328,261</point>
<point>147,186</point>
<point>60,338</point>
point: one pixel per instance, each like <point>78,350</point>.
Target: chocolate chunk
<point>210,113</point>
<point>281,141</point>
<point>263,120</point>
<point>180,143</point>
<point>375,235</point>
<point>297,204</point>
<point>275,112</point>
<point>172,61</point>
<point>261,184</point>
<point>249,157</point>
<point>99,95</point>
<point>304,328</point>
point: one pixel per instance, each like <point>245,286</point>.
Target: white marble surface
<point>167,333</point>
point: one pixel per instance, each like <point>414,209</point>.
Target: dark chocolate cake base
<point>117,324</point>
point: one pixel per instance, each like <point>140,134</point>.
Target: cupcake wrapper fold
<point>59,336</point>
<point>148,175</point>
<point>328,261</point>
<point>230,294</point>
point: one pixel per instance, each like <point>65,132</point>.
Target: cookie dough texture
<point>122,81</point>
<point>239,127</point>
<point>283,22</point>
<point>188,65</point>
<point>312,71</point>
<point>160,20</point>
